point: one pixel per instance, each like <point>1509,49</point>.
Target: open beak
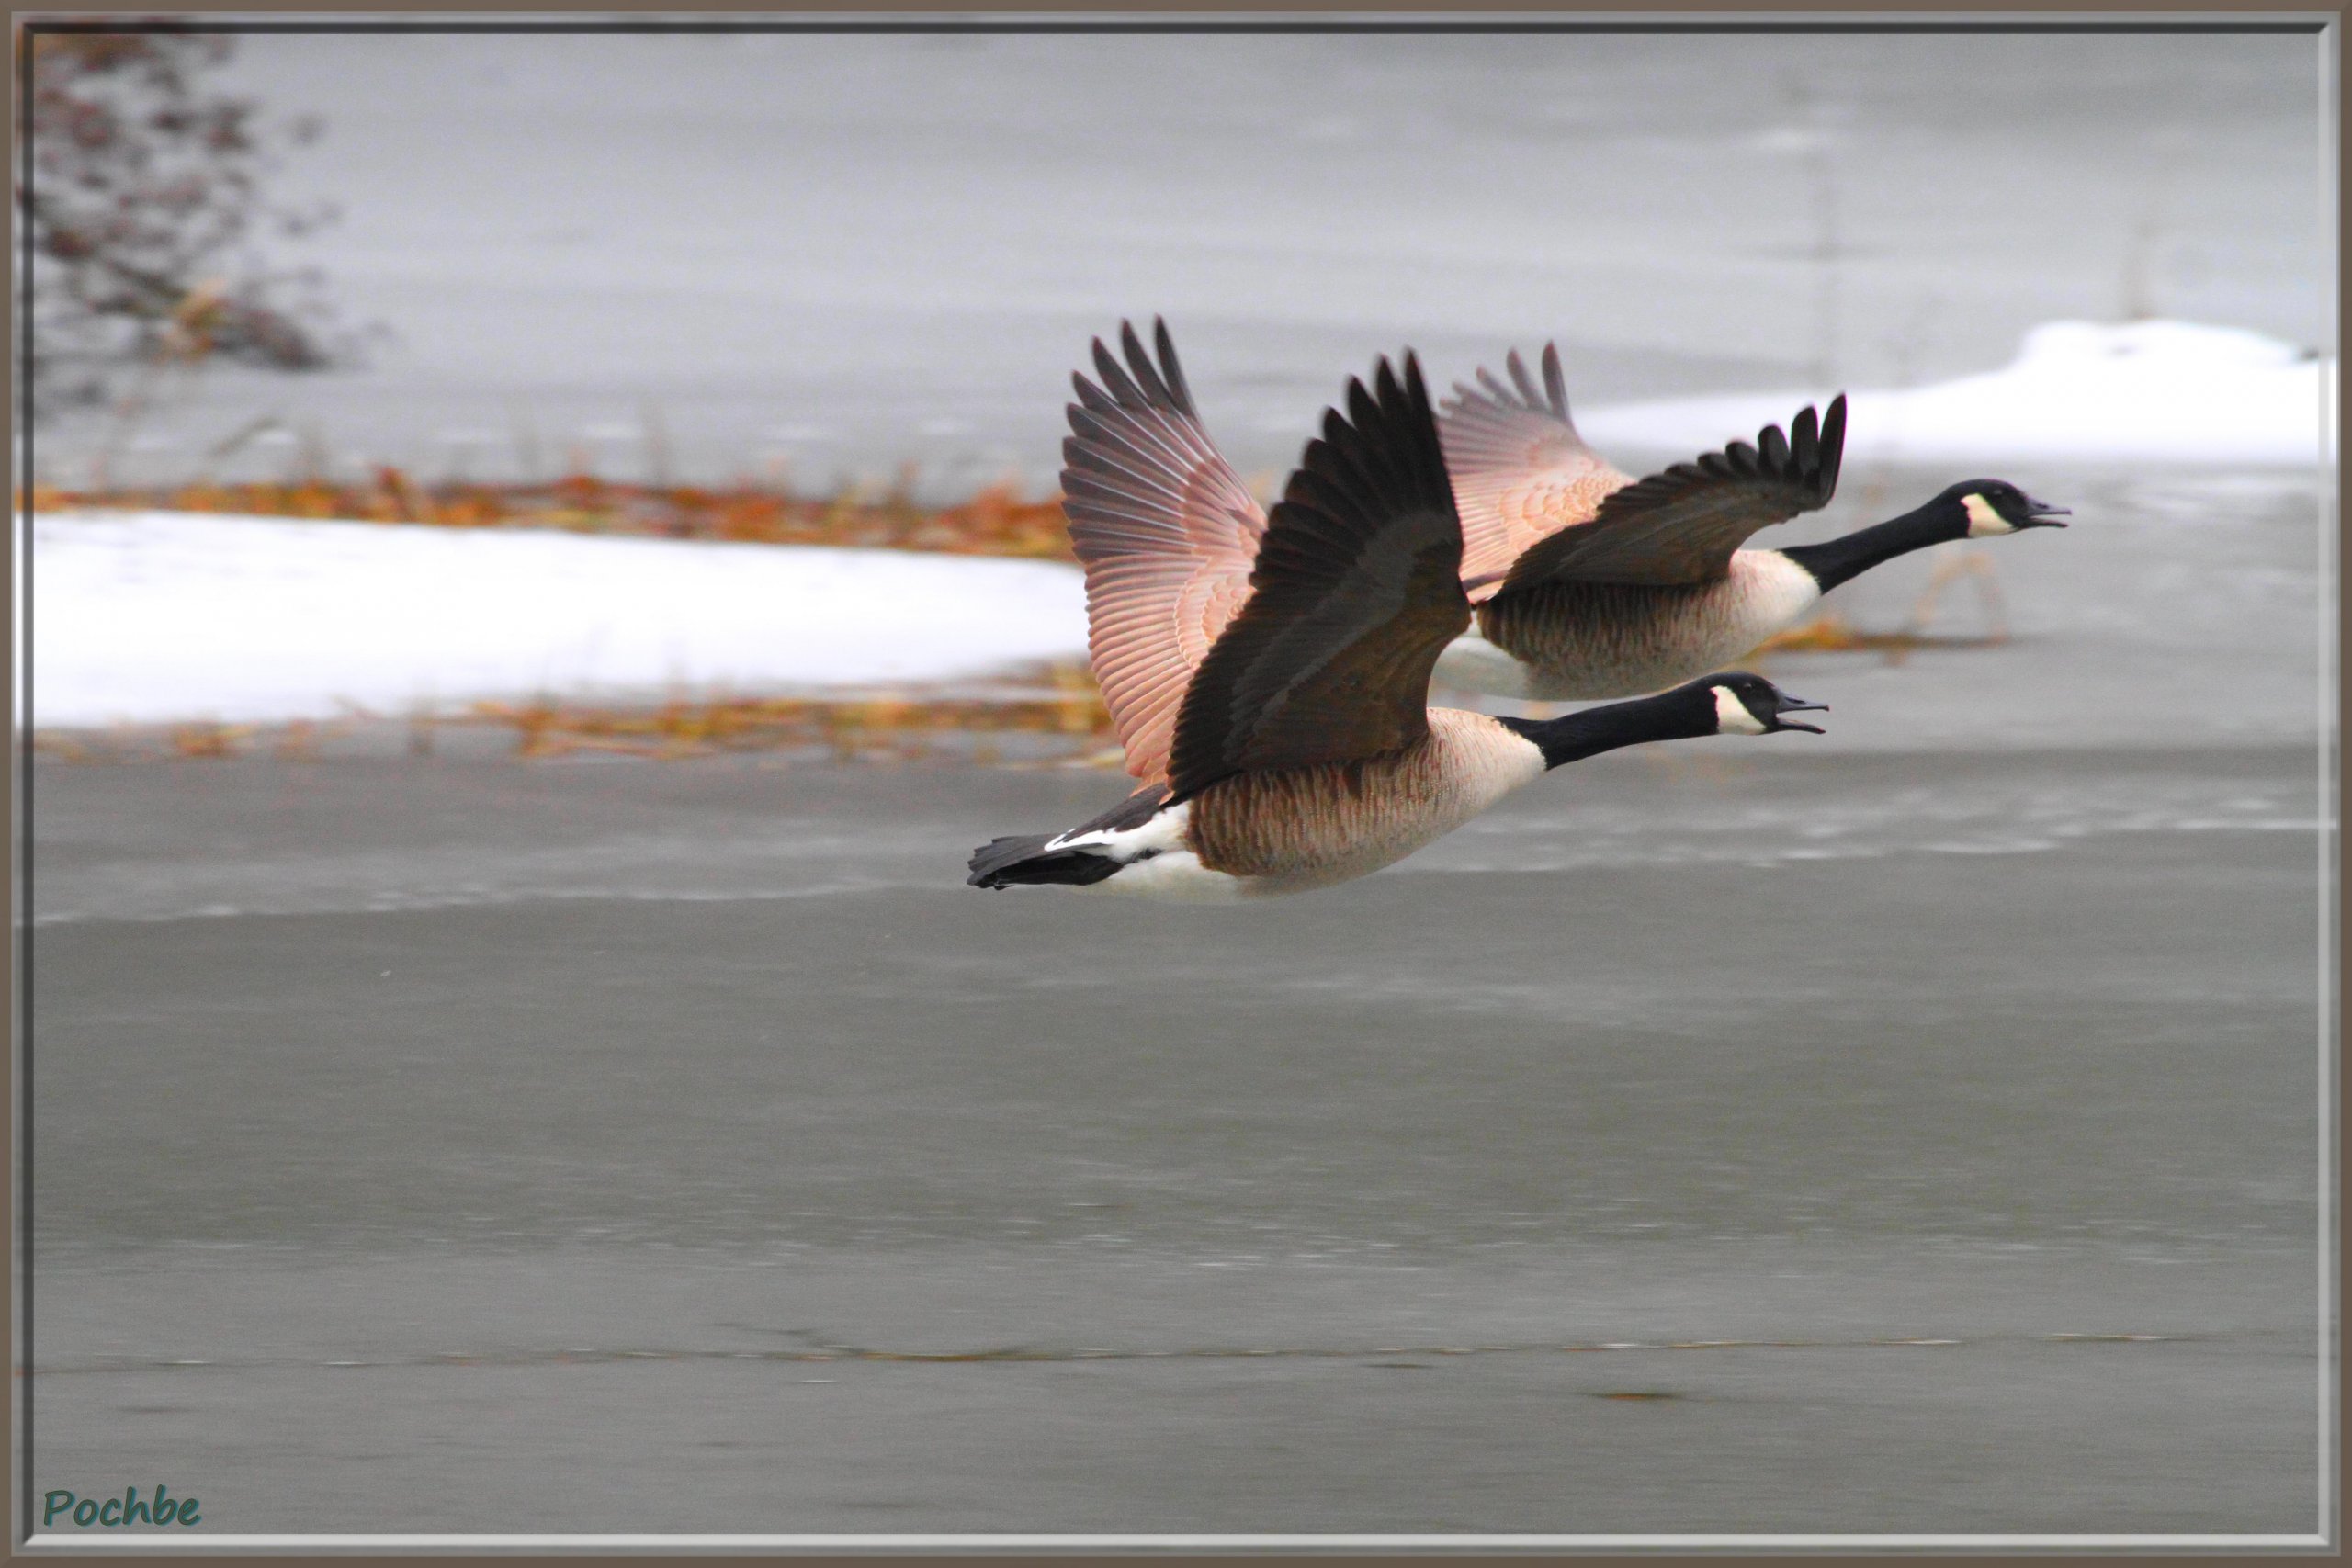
<point>1798,705</point>
<point>2042,514</point>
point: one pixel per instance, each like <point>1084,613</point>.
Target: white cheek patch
<point>1983,521</point>
<point>1732,717</point>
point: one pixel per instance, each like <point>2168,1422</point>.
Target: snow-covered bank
<point>150,617</point>
<point>2147,391</point>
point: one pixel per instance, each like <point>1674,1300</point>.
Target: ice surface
<point>704,256</point>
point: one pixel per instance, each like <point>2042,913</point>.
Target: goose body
<point>1575,641</point>
<point>1295,750</point>
<point>1586,583</point>
<point>1294,829</point>
<point>1590,583</point>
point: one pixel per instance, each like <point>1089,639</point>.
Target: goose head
<point>1750,704</point>
<point>1990,507</point>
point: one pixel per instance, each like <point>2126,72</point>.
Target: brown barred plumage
<point>1301,827</point>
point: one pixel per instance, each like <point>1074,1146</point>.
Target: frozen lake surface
<point>640,1146</point>
<point>1912,1128</point>
<point>705,257</point>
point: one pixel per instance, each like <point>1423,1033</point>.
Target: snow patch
<point>2145,391</point>
<point>152,617</point>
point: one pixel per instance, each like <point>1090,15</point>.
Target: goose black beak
<point>2042,514</point>
<point>1798,705</point>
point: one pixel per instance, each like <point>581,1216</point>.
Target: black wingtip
<point>1405,418</point>
<point>1805,445</point>
<point>1116,376</point>
<point>1105,365</point>
<point>1138,362</point>
<point>1832,445</point>
<point>1524,393</point>
<point>1364,407</point>
<point>1406,396</point>
<point>1143,383</point>
<point>1416,387</point>
<point>1171,372</point>
<point>1810,453</point>
<point>1379,443</point>
<point>1520,379</point>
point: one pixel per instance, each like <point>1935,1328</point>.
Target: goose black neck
<point>1833,561</point>
<point>1670,716</point>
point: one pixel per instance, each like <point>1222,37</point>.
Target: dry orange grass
<point>1831,633</point>
<point>996,522</point>
<point>1835,634</point>
<point>1066,720</point>
<point>887,727</point>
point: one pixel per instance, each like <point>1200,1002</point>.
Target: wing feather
<point>1520,471</point>
<point>1356,590</point>
<point>1165,531</point>
<point>1682,525</point>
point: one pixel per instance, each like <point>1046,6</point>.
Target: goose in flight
<point>1590,583</point>
<point>1279,724</point>
<point>1585,583</point>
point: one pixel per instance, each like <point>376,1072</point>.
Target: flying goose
<point>1287,744</point>
<point>1590,583</point>
<point>1585,583</point>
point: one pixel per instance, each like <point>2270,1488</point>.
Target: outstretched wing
<point>1520,471</point>
<point>1682,525</point>
<point>1357,589</point>
<point>1165,531</point>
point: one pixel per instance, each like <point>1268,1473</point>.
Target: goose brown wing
<point>1356,590</point>
<point>1165,531</point>
<point>1681,525</point>
<point>1520,471</point>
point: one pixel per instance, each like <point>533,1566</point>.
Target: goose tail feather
<point>1024,860</point>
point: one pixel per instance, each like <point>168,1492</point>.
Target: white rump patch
<point>1983,521</point>
<point>1154,861</point>
<point>1176,874</point>
<point>1164,832</point>
<point>1732,717</point>
<point>1471,664</point>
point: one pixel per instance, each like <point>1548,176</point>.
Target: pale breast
<point>1301,827</point>
<point>1589,640</point>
